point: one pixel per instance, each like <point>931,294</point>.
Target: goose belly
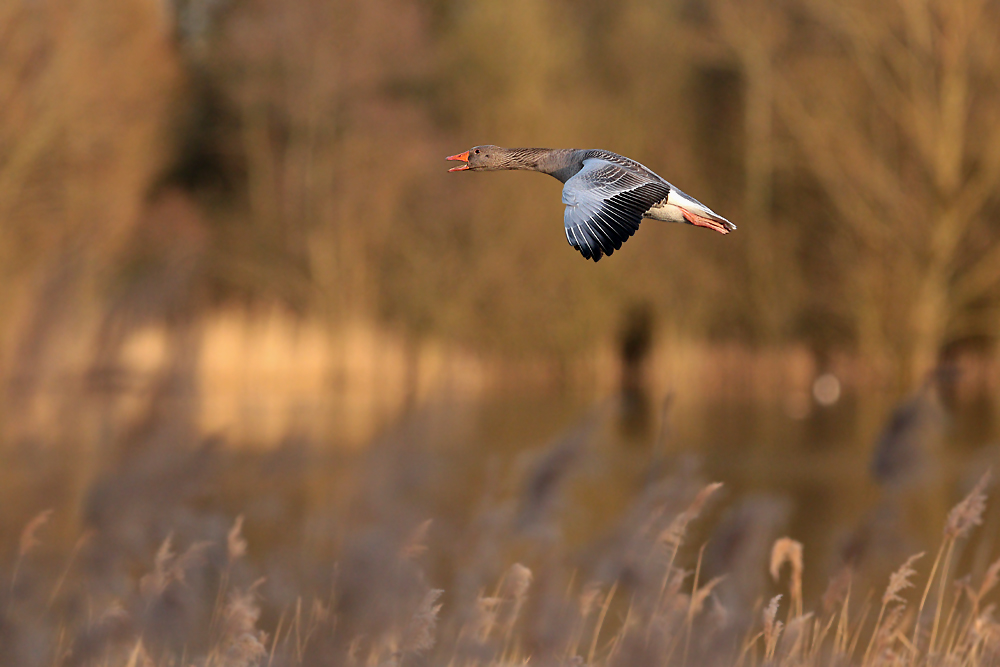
<point>665,212</point>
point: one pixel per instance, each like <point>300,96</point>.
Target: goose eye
<point>477,151</point>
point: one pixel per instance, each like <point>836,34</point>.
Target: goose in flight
<point>606,195</point>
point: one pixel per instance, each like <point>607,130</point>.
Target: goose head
<point>481,158</point>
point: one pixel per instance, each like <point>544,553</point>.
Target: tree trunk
<point>772,310</point>
<point>929,326</point>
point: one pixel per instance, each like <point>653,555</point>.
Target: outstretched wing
<point>605,203</point>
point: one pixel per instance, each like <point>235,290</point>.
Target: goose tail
<point>697,214</point>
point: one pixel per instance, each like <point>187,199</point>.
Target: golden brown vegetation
<point>649,596</point>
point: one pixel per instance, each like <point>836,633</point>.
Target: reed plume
<point>236,546</point>
<point>900,580</point>
<point>416,543</point>
<point>241,643</point>
<point>969,512</point>
<point>990,580</point>
<point>28,541</point>
<point>787,550</point>
<point>963,517</point>
<point>673,535</point>
<point>514,591</point>
<point>29,536</point>
<point>418,636</point>
<point>772,627</point>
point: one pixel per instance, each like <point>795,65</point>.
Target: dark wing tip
<point>586,242</point>
<point>594,252</point>
<point>599,231</point>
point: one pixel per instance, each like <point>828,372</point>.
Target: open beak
<point>462,157</point>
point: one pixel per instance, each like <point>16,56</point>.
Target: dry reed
<point>661,603</point>
<point>962,518</point>
<point>787,550</point>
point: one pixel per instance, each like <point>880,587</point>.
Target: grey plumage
<point>606,195</point>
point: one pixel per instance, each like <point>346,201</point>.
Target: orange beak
<point>462,157</point>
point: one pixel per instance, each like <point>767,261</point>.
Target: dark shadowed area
<point>277,389</point>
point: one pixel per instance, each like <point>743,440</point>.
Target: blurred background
<point>237,279</point>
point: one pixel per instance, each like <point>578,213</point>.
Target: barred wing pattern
<point>605,203</point>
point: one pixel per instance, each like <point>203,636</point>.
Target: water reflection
<point>559,468</point>
<point>635,346</point>
<point>810,478</point>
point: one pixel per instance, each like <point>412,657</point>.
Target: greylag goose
<point>606,195</point>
